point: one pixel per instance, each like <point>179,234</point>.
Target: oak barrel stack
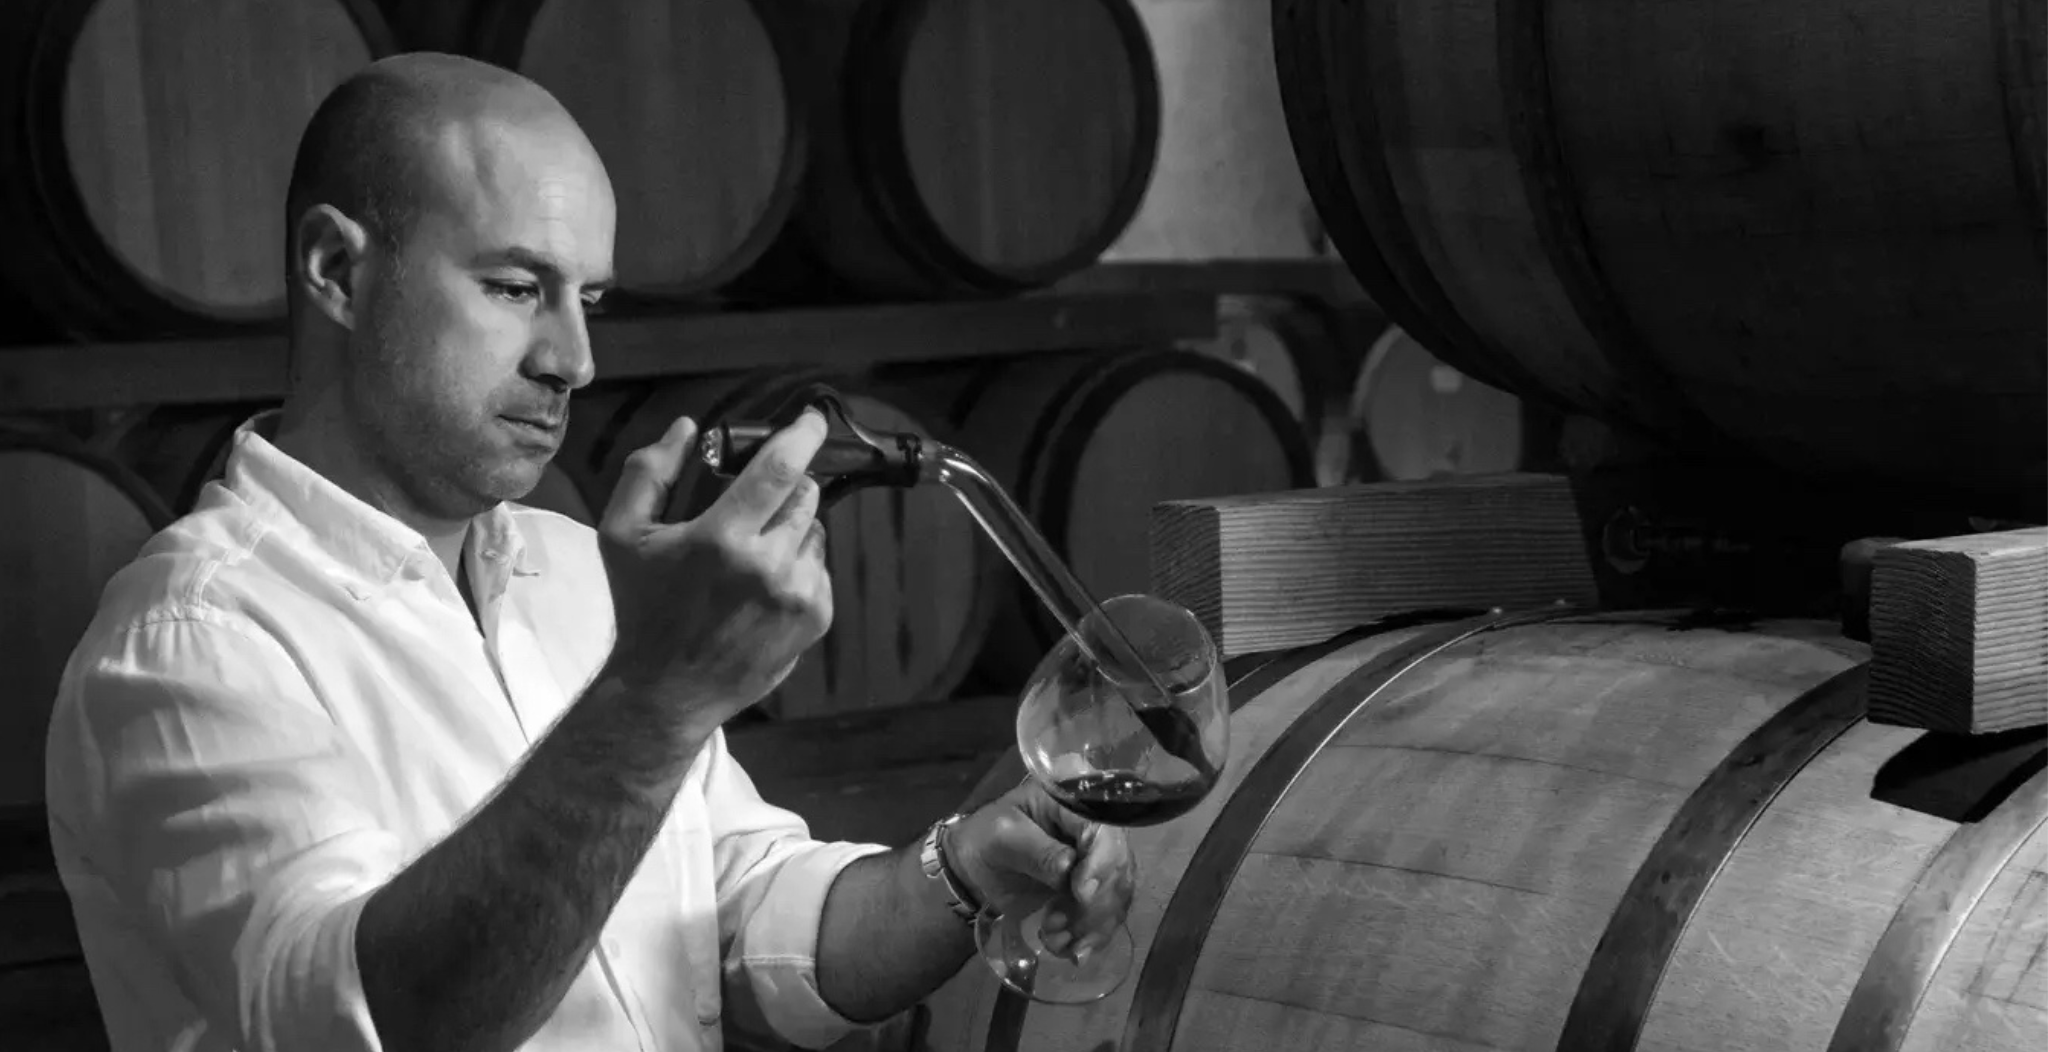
<point>1296,346</point>
<point>1581,832</point>
<point>1807,235</point>
<point>1414,417</point>
<point>701,111</point>
<point>74,518</point>
<point>149,146</point>
<point>971,147</point>
<point>178,449</point>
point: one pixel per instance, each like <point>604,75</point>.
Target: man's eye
<point>593,305</point>
<point>518,291</point>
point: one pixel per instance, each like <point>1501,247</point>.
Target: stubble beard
<point>438,462</point>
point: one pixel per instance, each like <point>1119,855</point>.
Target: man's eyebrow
<point>540,263</point>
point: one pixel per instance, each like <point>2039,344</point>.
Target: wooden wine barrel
<point>976,146</point>
<point>1086,443</point>
<point>1816,243</point>
<point>913,583</point>
<point>1411,416</point>
<point>1291,348</point>
<point>47,1002</point>
<point>50,1006</point>
<point>1614,831</point>
<point>178,449</point>
<point>149,147</point>
<point>74,518</point>
<point>699,109</point>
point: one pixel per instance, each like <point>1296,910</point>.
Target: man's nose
<point>561,352</point>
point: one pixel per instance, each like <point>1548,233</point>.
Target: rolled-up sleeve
<point>772,881</point>
<point>230,822</point>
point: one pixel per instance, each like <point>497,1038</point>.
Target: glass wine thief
<point>854,457</point>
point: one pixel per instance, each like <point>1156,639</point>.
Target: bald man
<point>361,754</point>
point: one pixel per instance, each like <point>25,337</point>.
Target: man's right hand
<point>715,611</point>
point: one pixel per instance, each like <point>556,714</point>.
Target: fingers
<point>649,474</point>
<point>1099,889</point>
<point>799,511</point>
<point>759,491</point>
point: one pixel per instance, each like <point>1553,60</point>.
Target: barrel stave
<point>1990,992</point>
<point>1508,792</point>
<point>702,116</point>
<point>79,518</point>
<point>1800,235</point>
<point>1790,922</point>
<point>131,190</point>
<point>937,173</point>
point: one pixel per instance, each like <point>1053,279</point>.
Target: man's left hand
<point>1023,849</point>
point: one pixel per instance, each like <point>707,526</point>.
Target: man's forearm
<point>886,938</point>
<point>473,945</point>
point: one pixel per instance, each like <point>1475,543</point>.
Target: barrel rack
<point>1109,306</point>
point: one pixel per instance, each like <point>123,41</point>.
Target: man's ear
<point>328,257</point>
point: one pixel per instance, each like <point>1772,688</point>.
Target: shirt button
<point>611,946</point>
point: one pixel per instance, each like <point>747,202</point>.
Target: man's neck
<point>304,435</point>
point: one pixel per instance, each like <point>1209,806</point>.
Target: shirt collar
<point>368,547</point>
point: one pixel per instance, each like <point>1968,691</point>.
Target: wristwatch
<point>932,856</point>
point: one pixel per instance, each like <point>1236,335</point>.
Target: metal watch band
<point>932,857</point>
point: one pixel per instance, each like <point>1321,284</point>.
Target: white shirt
<point>284,699</point>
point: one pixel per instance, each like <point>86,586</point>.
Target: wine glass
<point>1099,737</point>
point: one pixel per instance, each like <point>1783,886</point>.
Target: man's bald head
<point>372,150</point>
<point>451,229</point>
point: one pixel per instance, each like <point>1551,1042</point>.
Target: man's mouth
<point>547,425</point>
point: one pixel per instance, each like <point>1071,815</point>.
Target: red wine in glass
<point>1106,745</point>
<point>1125,798</point>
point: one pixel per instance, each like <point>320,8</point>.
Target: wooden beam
<point>1959,632</point>
<point>1323,279</point>
<point>1291,568</point>
<point>252,368</point>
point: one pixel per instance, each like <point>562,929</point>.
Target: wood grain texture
<point>181,121</point>
<point>1801,234</point>
<point>76,376</point>
<point>1959,632</point>
<point>150,146</point>
<point>1438,876</point>
<point>177,449</point>
<point>969,147</point>
<point>699,111</point>
<point>74,519</point>
<point>1414,417</point>
<point>1288,569</point>
<point>1019,165</point>
<point>1298,347</point>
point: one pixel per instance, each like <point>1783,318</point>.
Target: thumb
<point>650,472</point>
